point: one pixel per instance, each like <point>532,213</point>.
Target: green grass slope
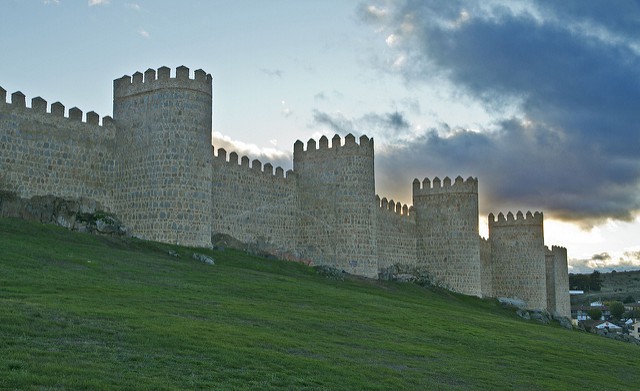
<point>86,312</point>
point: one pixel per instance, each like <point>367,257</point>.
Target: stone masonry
<point>154,167</point>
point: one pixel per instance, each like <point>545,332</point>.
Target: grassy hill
<point>86,312</point>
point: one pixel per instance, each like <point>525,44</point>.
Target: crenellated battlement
<point>519,219</point>
<point>396,208</point>
<point>256,166</point>
<point>364,146</point>
<point>153,81</point>
<point>445,186</point>
<point>39,106</point>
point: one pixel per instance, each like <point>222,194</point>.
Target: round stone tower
<point>518,258</point>
<point>163,154</point>
<point>337,203</point>
<point>448,245</point>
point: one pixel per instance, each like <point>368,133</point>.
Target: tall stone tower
<point>447,232</point>
<point>558,300</point>
<point>337,203</point>
<point>518,258</point>
<point>163,153</point>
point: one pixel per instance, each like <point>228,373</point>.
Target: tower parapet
<point>139,83</point>
<point>363,147</point>
<point>445,186</point>
<point>533,219</point>
<point>447,232</point>
<point>518,257</point>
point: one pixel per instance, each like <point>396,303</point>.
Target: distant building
<point>635,330</point>
<point>581,312</point>
<point>606,325</point>
<point>632,307</point>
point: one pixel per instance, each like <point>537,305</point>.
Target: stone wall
<point>486,270</point>
<point>254,204</point>
<point>396,234</point>
<point>163,159</point>
<point>447,232</point>
<point>518,258</point>
<point>46,153</point>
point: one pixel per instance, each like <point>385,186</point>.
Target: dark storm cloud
<point>375,124</point>
<point>394,120</point>
<point>336,123</point>
<point>619,17</point>
<point>601,257</point>
<point>572,72</point>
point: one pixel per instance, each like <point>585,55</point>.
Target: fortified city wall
<point>396,234</point>
<point>154,166</point>
<point>43,152</point>
<point>254,204</point>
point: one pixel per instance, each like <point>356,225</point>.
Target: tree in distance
<point>617,309</point>
<point>595,313</point>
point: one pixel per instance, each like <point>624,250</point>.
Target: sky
<point>537,99</point>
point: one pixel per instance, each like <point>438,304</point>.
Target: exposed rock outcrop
<point>83,214</point>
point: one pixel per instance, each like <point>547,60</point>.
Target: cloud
<point>337,122</point>
<point>632,255</point>
<point>133,6</point>
<point>273,72</point>
<point>629,260</point>
<point>323,96</point>
<point>98,2</point>
<point>274,156</point>
<point>601,257</point>
<point>570,70</point>
<point>53,2</point>
<point>144,33</point>
<point>386,126</point>
<point>286,110</point>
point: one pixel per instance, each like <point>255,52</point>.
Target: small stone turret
<point>518,258</point>
<point>447,232</point>
<point>163,155</point>
<point>557,281</point>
